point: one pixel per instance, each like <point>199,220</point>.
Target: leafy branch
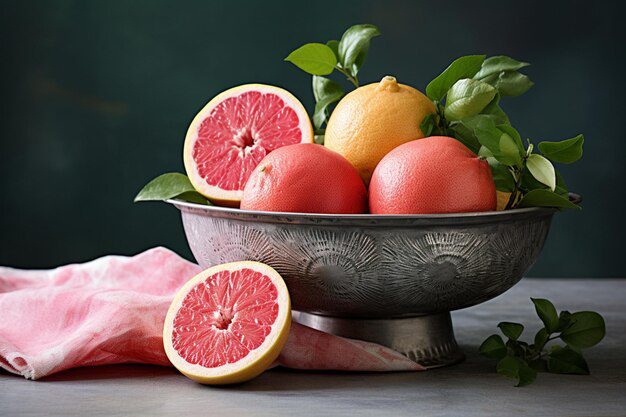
<point>345,56</point>
<point>467,98</point>
<point>521,361</point>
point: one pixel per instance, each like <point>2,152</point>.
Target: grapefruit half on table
<point>228,324</point>
<point>230,136</point>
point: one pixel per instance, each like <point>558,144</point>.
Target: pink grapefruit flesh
<point>233,133</point>
<point>228,324</point>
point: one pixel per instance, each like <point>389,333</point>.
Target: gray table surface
<point>471,388</point>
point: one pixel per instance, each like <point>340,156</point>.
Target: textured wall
<point>97,97</point>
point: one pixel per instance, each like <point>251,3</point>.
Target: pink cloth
<point>111,310</point>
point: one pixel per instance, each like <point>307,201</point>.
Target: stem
<point>443,123</point>
<point>517,173</point>
<point>542,353</point>
<point>513,197</point>
<point>354,80</point>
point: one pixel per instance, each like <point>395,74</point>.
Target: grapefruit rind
<point>217,194</point>
<point>257,360</point>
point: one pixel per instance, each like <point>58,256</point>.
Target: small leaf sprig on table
<point>521,361</point>
<point>345,56</point>
<point>467,98</point>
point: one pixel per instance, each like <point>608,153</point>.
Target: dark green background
<point>97,96</point>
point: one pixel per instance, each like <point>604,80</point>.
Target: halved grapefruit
<point>230,136</point>
<point>228,323</point>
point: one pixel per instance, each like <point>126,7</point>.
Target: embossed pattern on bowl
<point>366,266</point>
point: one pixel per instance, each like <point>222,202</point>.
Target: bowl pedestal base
<point>428,339</point>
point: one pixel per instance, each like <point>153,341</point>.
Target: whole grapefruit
<point>432,175</point>
<point>374,119</point>
<point>305,178</point>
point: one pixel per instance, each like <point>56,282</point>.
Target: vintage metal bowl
<point>389,279</point>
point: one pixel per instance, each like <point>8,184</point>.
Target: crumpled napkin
<point>111,310</point>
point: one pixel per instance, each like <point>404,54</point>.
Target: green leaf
<point>565,151</point>
<point>488,135</point>
<point>510,130</point>
<point>516,348</point>
<point>561,187</point>
<point>428,124</point>
<point>323,87</point>
<point>587,330</point>
<point>541,338</point>
<point>509,367</point>
<point>547,313</point>
<point>542,170</point>
<point>319,139</point>
<point>512,84</point>
<point>467,98</point>
<point>314,58</point>
<point>353,46</point>
<point>168,186</point>
<point>526,375</point>
<point>498,64</point>
<point>545,198</point>
<point>501,72</point>
<point>464,67</point>
<point>511,330</point>
<point>360,60</point>
<point>486,153</point>
<point>193,197</point>
<point>464,130</point>
<point>493,109</point>
<point>567,361</point>
<point>326,92</point>
<point>493,347</point>
<point>518,369</point>
<point>529,182</point>
<point>565,320</point>
<point>509,148</point>
<point>491,137</point>
<point>502,176</point>
<point>466,137</point>
<point>334,46</point>
<point>320,114</point>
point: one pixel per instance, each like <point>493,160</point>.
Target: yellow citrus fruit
<point>503,199</point>
<point>374,119</point>
<point>228,324</point>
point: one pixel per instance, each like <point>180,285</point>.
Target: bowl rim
<point>355,219</point>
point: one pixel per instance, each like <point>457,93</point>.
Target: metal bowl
<point>391,279</point>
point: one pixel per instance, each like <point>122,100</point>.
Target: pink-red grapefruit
<point>432,175</point>
<point>228,323</point>
<point>305,178</point>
